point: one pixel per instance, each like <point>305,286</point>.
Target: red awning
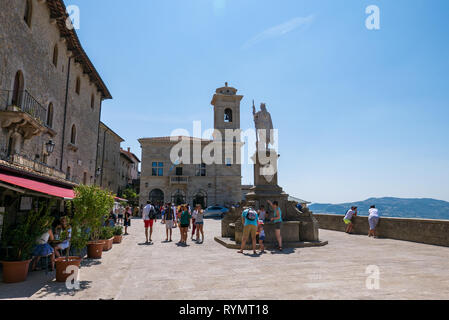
<point>38,186</point>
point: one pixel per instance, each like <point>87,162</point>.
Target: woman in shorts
<point>199,222</point>
<point>127,221</point>
<point>277,220</point>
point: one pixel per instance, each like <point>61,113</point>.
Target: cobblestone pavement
<point>133,270</point>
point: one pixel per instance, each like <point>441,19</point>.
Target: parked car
<point>215,211</point>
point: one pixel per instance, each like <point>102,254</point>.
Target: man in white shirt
<point>348,219</point>
<point>373,220</point>
<point>148,217</point>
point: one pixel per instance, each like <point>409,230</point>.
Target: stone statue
<point>264,126</point>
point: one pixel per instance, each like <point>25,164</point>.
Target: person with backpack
<point>149,217</point>
<point>169,220</point>
<point>250,220</point>
<point>277,220</point>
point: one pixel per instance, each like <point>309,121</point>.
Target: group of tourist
<point>373,220</point>
<point>173,217</point>
<point>121,216</point>
<point>253,226</point>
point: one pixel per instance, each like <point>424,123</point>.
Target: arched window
<point>157,196</point>
<point>228,115</point>
<point>73,135</point>
<point>92,101</point>
<point>179,197</point>
<point>78,85</point>
<point>55,55</point>
<point>18,89</point>
<point>200,198</point>
<point>28,12</point>
<point>50,115</point>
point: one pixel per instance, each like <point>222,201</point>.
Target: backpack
<point>152,213</point>
<point>251,215</point>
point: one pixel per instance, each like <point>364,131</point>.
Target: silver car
<point>215,211</point>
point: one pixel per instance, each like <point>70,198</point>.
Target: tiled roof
<point>130,155</point>
<point>58,12</point>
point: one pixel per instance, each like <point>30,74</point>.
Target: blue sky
<point>360,113</point>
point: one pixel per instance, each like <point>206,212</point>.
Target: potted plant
<point>93,205</point>
<point>21,238</point>
<point>107,235</point>
<point>78,240</point>
<point>118,234</point>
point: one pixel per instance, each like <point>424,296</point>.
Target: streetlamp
<point>50,145</point>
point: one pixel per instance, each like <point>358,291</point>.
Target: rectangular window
<point>201,170</point>
<point>228,162</point>
<point>157,169</point>
<point>179,171</point>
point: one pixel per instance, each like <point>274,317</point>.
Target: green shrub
<point>106,233</point>
<point>118,231</point>
<point>23,236</point>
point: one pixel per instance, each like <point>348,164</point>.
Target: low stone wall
<point>435,232</point>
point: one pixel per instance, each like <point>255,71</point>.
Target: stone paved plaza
<point>209,271</point>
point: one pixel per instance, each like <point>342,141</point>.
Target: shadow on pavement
<point>38,282</point>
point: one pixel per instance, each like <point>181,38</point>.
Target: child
<point>261,237</point>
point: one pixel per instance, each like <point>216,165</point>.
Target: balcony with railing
<point>177,180</point>
<point>21,110</point>
<point>31,165</point>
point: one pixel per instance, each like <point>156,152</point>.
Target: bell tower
<point>226,104</point>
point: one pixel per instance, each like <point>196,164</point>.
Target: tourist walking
<point>127,221</point>
<point>277,220</point>
<point>149,217</point>
<point>348,219</point>
<point>169,221</point>
<point>199,221</point>
<point>261,236</point>
<point>121,211</point>
<point>249,219</point>
<point>185,224</point>
<point>194,227</point>
<point>373,220</point>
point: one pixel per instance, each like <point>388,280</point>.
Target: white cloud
<point>280,30</point>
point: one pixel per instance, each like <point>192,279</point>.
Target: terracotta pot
<point>61,267</point>
<point>118,239</point>
<point>108,244</point>
<point>95,249</point>
<point>15,271</point>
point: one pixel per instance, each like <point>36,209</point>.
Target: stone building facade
<point>109,159</point>
<point>49,91</point>
<point>193,180</point>
<point>129,169</point>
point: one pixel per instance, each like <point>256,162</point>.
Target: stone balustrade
<point>427,231</point>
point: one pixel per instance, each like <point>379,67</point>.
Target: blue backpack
<point>251,215</point>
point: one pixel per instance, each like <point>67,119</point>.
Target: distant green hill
<point>392,207</point>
